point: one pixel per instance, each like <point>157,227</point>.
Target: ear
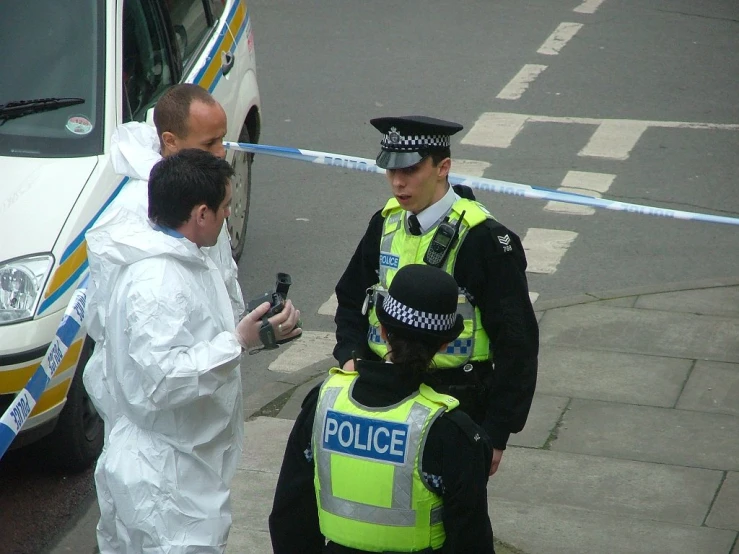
<point>443,347</point>
<point>199,212</point>
<point>169,143</point>
<point>444,167</point>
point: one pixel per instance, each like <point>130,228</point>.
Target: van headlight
<point>21,283</point>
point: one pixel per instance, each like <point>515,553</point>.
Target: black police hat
<point>409,139</point>
<point>421,303</point>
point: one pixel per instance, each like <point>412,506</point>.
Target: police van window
<point>216,8</point>
<point>52,77</point>
<point>147,68</point>
<point>190,23</point>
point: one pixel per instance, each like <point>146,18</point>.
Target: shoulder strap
<point>471,430</point>
<point>475,213</point>
<point>449,402</point>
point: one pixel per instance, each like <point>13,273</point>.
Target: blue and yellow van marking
<point>15,379</point>
<point>236,21</point>
<point>73,262</point>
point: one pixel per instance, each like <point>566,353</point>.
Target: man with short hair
<point>187,116</point>
<point>491,368</point>
<point>171,353</point>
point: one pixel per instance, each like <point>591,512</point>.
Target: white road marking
<point>572,209</point>
<point>588,181</point>
<point>581,182</point>
<point>330,305</point>
<point>496,130</point>
<point>613,138</point>
<point>588,6</point>
<point>545,248</point>
<point>473,168</point>
<point>310,348</point>
<point>533,296</point>
<point>557,40</point>
<point>518,85</point>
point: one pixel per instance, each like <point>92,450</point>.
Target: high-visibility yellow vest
<point>370,492</point>
<point>399,248</point>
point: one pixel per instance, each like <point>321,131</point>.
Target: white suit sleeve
<point>173,367</point>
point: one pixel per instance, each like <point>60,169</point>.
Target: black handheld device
<point>276,299</point>
<point>442,242</point>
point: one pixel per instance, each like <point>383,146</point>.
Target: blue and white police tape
<point>17,413</point>
<point>481,183</point>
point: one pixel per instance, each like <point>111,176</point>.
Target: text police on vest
<point>365,437</point>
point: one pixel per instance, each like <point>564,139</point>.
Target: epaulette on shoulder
<point>470,429</point>
<point>504,241</point>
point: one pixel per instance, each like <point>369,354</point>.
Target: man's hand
<point>283,323</point>
<point>497,457</point>
<point>349,365</point>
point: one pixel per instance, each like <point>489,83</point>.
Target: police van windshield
<point>52,50</point>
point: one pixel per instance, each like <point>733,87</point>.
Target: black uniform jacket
<point>455,460</point>
<point>491,267</point>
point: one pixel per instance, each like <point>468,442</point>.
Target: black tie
<point>414,225</point>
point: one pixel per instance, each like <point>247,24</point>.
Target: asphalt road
<point>325,68</point>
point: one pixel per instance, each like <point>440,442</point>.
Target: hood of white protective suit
<point>119,240</point>
<point>134,149</point>
<point>36,197</point>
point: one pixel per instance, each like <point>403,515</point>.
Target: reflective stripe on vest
<point>398,249</point>
<point>396,510</point>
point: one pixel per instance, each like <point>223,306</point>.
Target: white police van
<point>72,71</point>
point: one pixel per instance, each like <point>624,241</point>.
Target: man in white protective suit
<point>171,351</point>
<point>186,116</point>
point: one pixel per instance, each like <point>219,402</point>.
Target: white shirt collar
<point>435,212</point>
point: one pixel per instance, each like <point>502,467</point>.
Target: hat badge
<point>393,136</point>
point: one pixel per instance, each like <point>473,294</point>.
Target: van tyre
<point>240,194</point>
<point>77,439</point>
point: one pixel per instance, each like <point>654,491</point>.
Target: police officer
<point>377,460</point>
<point>427,221</point>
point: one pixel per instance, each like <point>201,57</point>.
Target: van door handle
<point>227,62</point>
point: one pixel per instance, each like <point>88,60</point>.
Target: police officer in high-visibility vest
<point>377,460</point>
<point>491,368</point>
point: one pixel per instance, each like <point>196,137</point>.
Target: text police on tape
<point>364,437</point>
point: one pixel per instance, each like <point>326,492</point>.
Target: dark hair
<point>184,180</point>
<point>173,108</point>
<point>437,154</point>
<point>416,354</point>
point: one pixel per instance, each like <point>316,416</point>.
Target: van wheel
<point>77,439</point>
<point>241,191</point>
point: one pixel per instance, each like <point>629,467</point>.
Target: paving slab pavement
<point>556,529</point>
<point>662,435</point>
<point>631,445</point>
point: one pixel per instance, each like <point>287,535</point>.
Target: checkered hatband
<point>394,141</point>
<point>414,318</point>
